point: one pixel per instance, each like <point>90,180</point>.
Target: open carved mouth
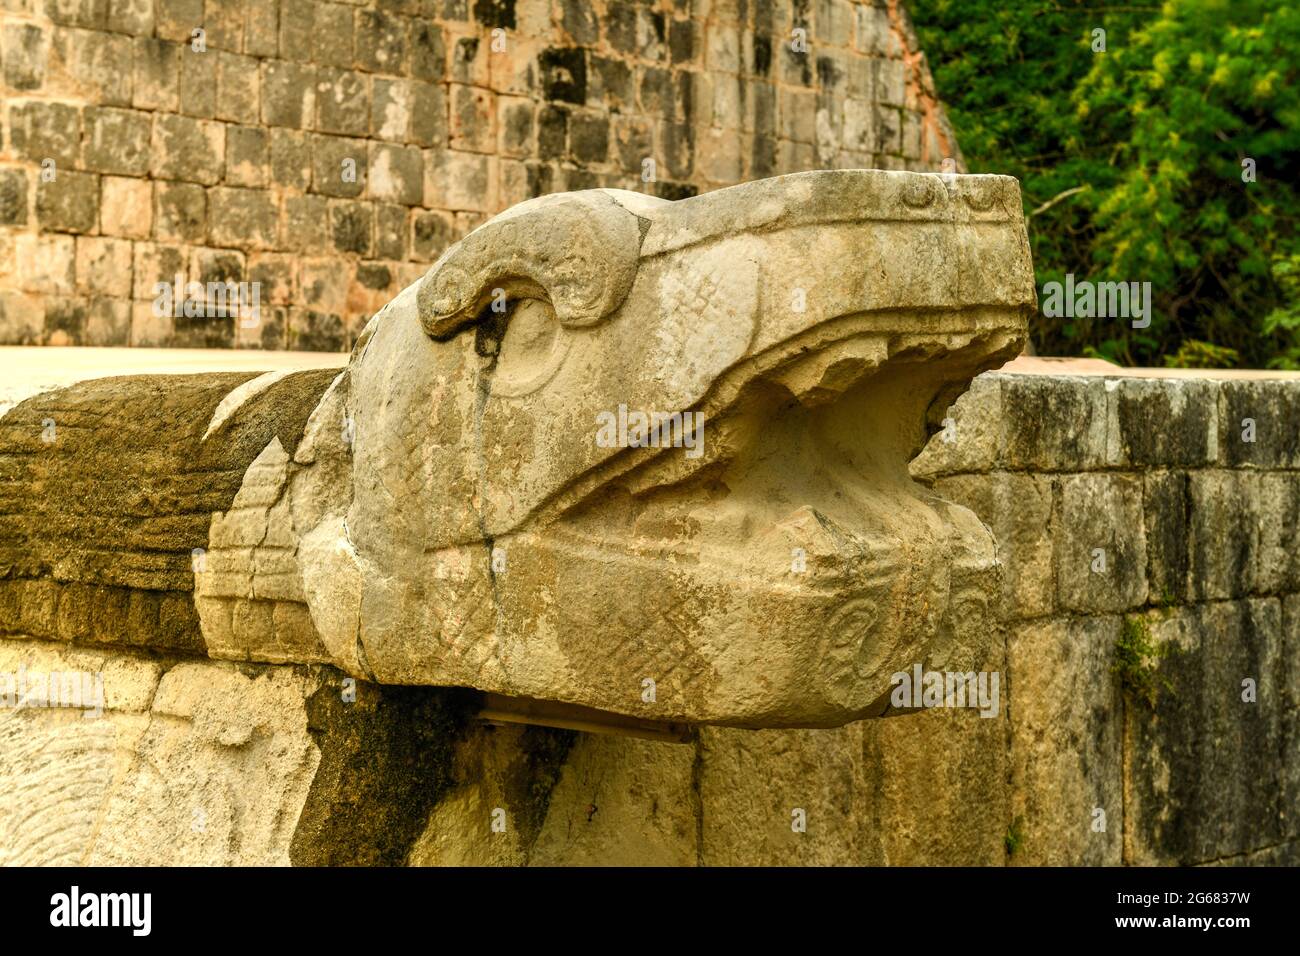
<point>800,514</point>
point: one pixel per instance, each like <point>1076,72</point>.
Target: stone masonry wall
<point>198,761</point>
<point>1135,509</point>
<point>134,149</point>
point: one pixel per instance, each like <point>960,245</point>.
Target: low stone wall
<point>1141,510</point>
<point>199,761</point>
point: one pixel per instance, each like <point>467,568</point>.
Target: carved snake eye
<point>532,349</point>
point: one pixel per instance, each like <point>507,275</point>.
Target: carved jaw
<point>776,578</point>
<point>795,566</point>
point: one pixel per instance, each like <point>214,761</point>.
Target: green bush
<point>1131,161</point>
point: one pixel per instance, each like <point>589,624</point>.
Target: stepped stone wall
<point>1165,760</point>
<point>329,151</point>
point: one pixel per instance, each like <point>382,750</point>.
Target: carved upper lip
<point>810,282</point>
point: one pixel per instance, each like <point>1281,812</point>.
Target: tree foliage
<point>1133,161</point>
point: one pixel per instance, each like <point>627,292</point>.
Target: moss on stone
<point>1137,661</point>
<point>386,761</point>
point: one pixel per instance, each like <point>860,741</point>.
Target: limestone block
<point>457,180</point>
<point>117,141</point>
<point>1278,570</point>
<point>188,149</point>
<point>1066,745</point>
<point>429,114</point>
<point>104,266</point>
<point>1054,422</point>
<point>288,94</point>
<point>381,42</point>
<point>342,102</point>
<point>13,197</point>
<point>1259,424</point>
<point>338,166</point>
<point>155,80</point>
<point>261,29</point>
<point>125,207</point>
<point>1018,509</point>
<point>1203,778</point>
<point>332,35</point>
<point>1167,422</point>
<point>291,165</point>
<point>245,217</point>
<point>41,131</point>
<point>1101,548</point>
<point>428,50</point>
<point>199,82</point>
<point>69,203</point>
<point>784,797</point>
<point>396,174</point>
<point>185,801</point>
<point>937,786</point>
<point>247,154</point>
<point>1165,523</point>
<point>351,226</point>
<point>25,51</point>
<point>620,801</point>
<point>1224,533</point>
<point>1290,798</point>
<point>238,91</point>
<point>22,317</point>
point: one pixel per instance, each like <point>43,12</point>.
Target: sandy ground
<point>30,370</point>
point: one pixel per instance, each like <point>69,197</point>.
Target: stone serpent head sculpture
<point>647,457</point>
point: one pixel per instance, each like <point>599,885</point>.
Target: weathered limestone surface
<point>1066,742</point>
<point>1197,512</point>
<point>108,490</point>
<point>1206,767</point>
<point>190,762</point>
